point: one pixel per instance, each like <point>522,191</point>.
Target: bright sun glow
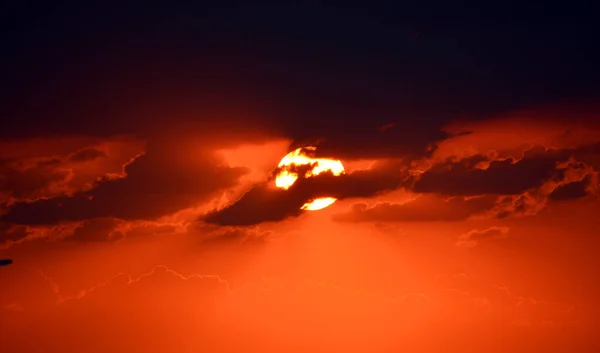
<point>287,177</point>
<point>318,204</point>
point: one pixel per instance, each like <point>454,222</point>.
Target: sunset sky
<point>139,148</point>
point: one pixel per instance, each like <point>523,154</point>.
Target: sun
<point>287,175</point>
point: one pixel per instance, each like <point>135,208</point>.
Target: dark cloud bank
<point>170,176</point>
<point>453,190</point>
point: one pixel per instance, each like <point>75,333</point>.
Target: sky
<point>139,147</point>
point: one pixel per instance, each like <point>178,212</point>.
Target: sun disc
<point>286,177</point>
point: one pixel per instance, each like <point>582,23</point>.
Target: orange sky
<point>139,147</point>
<point>487,243</point>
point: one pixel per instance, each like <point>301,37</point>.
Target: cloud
<point>33,180</point>
<point>478,176</point>
<point>131,229</point>
<point>561,126</point>
<point>103,229</point>
<point>88,154</point>
<point>261,204</point>
<point>473,237</point>
<point>572,190</point>
<point>265,203</point>
<point>97,229</point>
<point>573,177</point>
<point>171,175</point>
<point>421,209</point>
<point>520,185</point>
<point>32,169</point>
<point>367,141</point>
<point>12,234</point>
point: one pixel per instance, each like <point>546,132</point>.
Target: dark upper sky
<point>103,70</point>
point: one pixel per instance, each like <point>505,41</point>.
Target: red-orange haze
<point>458,257</point>
<point>296,177</point>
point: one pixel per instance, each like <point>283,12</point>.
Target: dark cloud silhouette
<point>342,104</point>
<point>265,203</point>
<point>11,232</point>
<point>501,177</point>
<point>569,191</point>
<point>172,175</point>
<point>34,168</point>
<point>96,229</point>
<point>385,77</point>
<point>111,229</point>
<point>574,180</point>
<point>261,204</point>
<point>5,262</point>
<point>423,209</point>
<point>19,180</point>
<point>88,154</point>
<point>528,203</point>
<point>368,141</point>
<point>473,176</point>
